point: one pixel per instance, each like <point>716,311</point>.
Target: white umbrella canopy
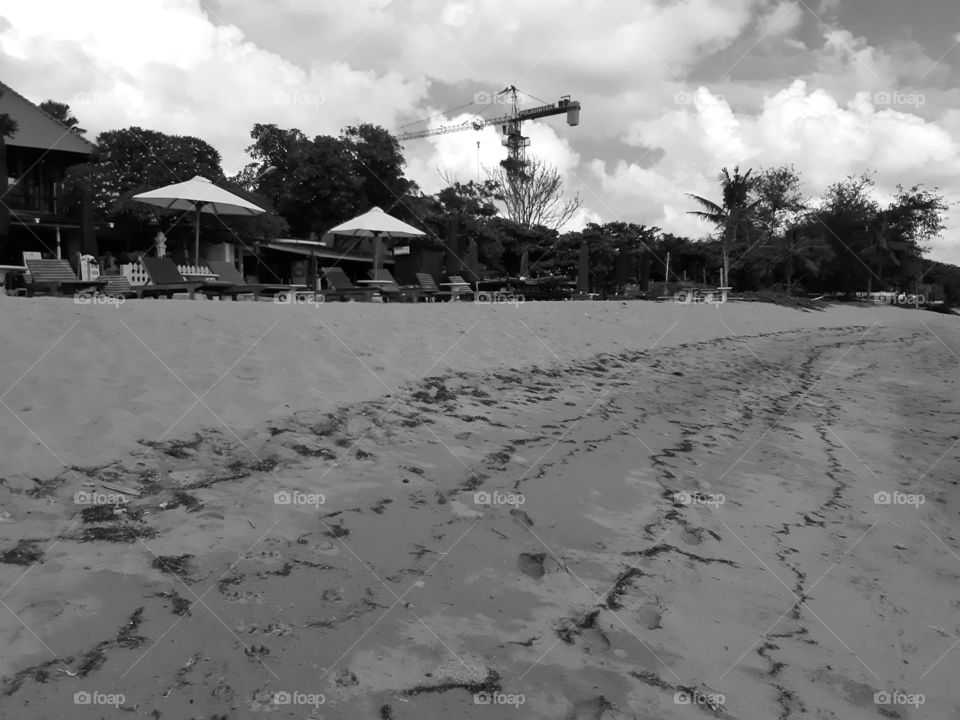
<point>377,224</point>
<point>199,195</point>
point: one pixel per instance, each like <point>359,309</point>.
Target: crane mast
<point>510,126</point>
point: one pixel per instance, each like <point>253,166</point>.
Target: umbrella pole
<point>196,239</point>
<point>377,255</point>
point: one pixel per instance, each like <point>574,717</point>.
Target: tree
<point>792,240</point>
<point>133,160</point>
<point>848,215</point>
<point>734,216</point>
<point>61,112</point>
<point>378,162</point>
<point>315,186</point>
<point>534,197</point>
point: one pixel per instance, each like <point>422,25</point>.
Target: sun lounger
<point>431,289</point>
<point>227,272</point>
<point>459,288</point>
<point>339,286</point>
<point>118,286</point>
<point>57,277</point>
<point>391,290</point>
<point>166,280</point>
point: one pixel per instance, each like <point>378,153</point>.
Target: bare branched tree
<point>534,196</point>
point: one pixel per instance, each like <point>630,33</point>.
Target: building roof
<point>37,129</point>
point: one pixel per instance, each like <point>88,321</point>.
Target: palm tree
<point>733,217</point>
<point>61,111</point>
<point>800,247</point>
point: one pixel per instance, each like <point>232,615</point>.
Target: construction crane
<point>510,127</point>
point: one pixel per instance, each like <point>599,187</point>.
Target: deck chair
<point>392,290</point>
<point>431,289</point>
<point>227,272</point>
<point>166,280</point>
<point>118,286</point>
<point>339,286</point>
<point>57,277</point>
<point>460,288</point>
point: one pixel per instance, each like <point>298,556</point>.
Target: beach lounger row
<point>57,277</point>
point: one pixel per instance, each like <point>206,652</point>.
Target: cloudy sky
<point>672,90</point>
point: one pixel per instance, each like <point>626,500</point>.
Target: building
<point>34,214</point>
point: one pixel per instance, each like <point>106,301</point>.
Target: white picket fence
<point>137,274</point>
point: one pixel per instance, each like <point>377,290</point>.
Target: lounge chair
<point>459,288</point>
<point>166,280</point>
<point>227,272</point>
<point>57,277</point>
<point>340,287</point>
<point>431,289</point>
<point>391,290</point>
<point>118,286</point>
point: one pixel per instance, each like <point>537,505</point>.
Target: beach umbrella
<point>583,269</point>
<point>377,224</point>
<point>199,195</point>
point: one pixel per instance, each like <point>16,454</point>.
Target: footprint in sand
<point>277,629</point>
<point>650,617</point>
<point>244,597</point>
<point>536,565</point>
<point>325,547</point>
<point>264,556</point>
<point>692,536</point>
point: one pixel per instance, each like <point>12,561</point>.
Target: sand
<point>555,510</point>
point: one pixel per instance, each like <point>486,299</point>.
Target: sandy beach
<point>579,510</point>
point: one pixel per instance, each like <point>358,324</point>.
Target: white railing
<point>137,274</point>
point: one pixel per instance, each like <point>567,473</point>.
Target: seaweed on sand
<point>117,533</point>
<point>25,552</point>
<point>624,580</point>
<point>127,638</point>
<point>490,684</point>
<point>173,564</point>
